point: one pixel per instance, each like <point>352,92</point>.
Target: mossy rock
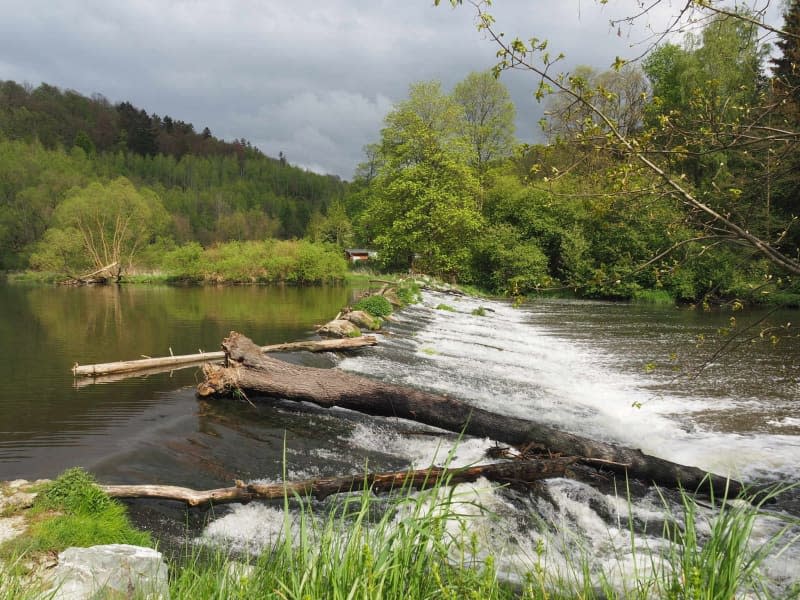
<point>363,320</point>
<point>339,328</point>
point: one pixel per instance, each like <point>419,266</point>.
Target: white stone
<point>11,527</point>
<point>129,571</point>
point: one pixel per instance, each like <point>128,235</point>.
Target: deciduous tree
<point>111,222</point>
<point>488,118</point>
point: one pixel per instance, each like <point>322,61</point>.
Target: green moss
<point>446,307</point>
<point>653,297</point>
<point>377,306</point>
<point>74,511</point>
<point>354,333</point>
<point>479,312</point>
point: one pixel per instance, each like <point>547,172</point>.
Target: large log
<point>252,372</point>
<point>513,472</point>
<point>170,362</point>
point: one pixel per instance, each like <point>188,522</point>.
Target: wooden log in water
<point>255,374</point>
<point>169,362</point>
<point>512,472</point>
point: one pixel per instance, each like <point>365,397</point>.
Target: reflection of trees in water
<point>45,330</point>
<point>106,323</point>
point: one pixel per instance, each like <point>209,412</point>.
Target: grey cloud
<point>312,79</point>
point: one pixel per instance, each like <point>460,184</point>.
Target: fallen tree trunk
<point>255,374</point>
<point>89,277</point>
<point>513,472</point>
<point>171,362</point>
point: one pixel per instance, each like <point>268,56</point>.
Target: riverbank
<point>783,298</point>
<point>476,354</point>
<point>406,545</point>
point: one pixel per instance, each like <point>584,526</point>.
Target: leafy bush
<point>270,261</point>
<point>83,516</point>
<point>506,264</point>
<point>377,306</point>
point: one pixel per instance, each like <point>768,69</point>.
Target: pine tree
<point>786,71</point>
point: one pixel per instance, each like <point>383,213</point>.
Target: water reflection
<point>46,424</point>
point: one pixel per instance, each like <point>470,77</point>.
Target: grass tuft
<point>653,297</point>
<point>73,511</point>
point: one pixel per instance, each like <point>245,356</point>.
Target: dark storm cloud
<point>311,79</point>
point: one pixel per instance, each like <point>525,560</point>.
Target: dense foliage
<point>376,305</point>
<point>706,212</point>
<point>56,147</point>
<point>445,189</point>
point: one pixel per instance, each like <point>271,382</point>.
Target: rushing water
<point>617,372</point>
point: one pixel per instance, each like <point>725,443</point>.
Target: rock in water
<point>112,570</point>
<point>363,320</point>
<point>339,328</point>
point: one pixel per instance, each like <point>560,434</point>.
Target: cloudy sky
<point>311,78</point>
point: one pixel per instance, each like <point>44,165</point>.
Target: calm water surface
<point>140,428</point>
<point>623,373</point>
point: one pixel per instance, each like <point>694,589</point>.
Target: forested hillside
<point>677,175</point>
<point>54,143</point>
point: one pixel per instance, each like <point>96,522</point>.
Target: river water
<point>671,381</point>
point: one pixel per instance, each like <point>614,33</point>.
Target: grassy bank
<point>416,545</point>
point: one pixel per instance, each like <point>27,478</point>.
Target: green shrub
<point>74,491</point>
<point>446,307</point>
<point>377,306</point>
<point>82,515</point>
<point>479,312</point>
<point>409,292</point>
<point>270,261</point>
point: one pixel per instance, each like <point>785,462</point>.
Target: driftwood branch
<point>167,363</point>
<point>513,472</point>
<point>256,374</point>
<point>89,277</point>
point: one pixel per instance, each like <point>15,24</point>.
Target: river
<point>685,384</point>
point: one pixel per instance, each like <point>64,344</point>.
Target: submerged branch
<point>512,472</point>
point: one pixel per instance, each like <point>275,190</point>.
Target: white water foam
<point>506,363</point>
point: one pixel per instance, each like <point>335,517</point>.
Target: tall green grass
<point>653,297</point>
<point>360,549</point>
<point>418,545</point>
<point>269,261</point>
<point>716,558</point>
<point>421,547</point>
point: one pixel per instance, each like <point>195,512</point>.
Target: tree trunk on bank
<point>254,374</point>
<point>513,472</point>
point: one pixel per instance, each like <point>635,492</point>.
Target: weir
<point>568,364</point>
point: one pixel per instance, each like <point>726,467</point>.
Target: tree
<point>488,118</point>
<point>621,94</point>
<point>646,152</point>
<point>784,162</point>
<point>110,222</point>
<point>786,67</point>
<point>334,227</point>
<point>422,210</point>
